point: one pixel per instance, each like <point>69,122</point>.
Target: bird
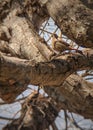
<point>59,45</point>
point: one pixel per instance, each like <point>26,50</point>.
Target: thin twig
<point>43,27</point>
<point>52,34</point>
<point>89,78</point>
<point>46,31</point>
<point>66,121</point>
<point>6,118</point>
<point>54,126</point>
<point>74,122</point>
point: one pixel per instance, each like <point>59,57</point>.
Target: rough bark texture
<point>25,58</point>
<point>74,19</point>
<point>52,72</point>
<point>75,94</point>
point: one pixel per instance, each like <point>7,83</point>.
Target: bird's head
<point>55,36</point>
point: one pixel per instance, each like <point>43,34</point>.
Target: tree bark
<point>43,73</point>
<point>34,62</point>
<point>75,95</point>
<point>73,18</point>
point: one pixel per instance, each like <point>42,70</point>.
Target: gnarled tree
<point>26,58</point>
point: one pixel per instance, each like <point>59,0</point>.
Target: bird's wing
<point>63,42</point>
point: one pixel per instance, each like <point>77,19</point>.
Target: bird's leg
<point>78,51</point>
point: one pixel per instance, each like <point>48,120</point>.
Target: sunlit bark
<point>27,59</point>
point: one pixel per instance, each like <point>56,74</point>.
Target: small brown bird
<point>59,45</point>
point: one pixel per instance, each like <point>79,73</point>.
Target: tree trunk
<point>25,58</point>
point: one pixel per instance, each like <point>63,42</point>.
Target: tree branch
<point>74,19</point>
<point>53,72</point>
<point>75,95</point>
<point>45,72</point>
<point>25,40</point>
